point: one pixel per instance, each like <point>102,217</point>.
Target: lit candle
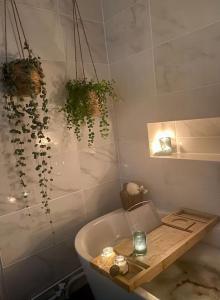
<point>140,243</point>
<point>122,263</point>
<point>107,252</point>
<point>166,145</point>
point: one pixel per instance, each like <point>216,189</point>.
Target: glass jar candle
<point>122,263</point>
<point>140,243</point>
<point>166,145</point>
<point>107,252</point>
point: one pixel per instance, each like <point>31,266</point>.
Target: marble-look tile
<point>172,18</point>
<point>62,138</point>
<point>90,10</point>
<point>95,34</point>
<point>191,174</point>
<point>23,235</point>
<point>42,38</point>
<point>68,215</point>
<point>189,62</point>
<point>102,199</point>
<point>98,165</point>
<point>66,173</point>
<point>193,197</point>
<point>208,127</point>
<point>55,78</point>
<point>134,77</point>
<point>36,273</point>
<point>127,111</point>
<point>135,165</point>
<point>197,103</point>
<point>135,88</point>
<point>128,32</point>
<point>46,4</point>
<point>113,7</point>
<point>199,144</point>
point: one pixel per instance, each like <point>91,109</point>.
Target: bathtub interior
<point>196,276</point>
<point>101,233</point>
<point>108,230</point>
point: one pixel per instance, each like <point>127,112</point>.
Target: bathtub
<point>112,227</point>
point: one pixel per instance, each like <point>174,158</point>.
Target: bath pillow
<point>144,218</point>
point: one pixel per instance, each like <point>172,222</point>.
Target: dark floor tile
<point>84,293</point>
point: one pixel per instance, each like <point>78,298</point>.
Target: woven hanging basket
<point>27,80</point>
<point>130,201</point>
<point>95,104</point>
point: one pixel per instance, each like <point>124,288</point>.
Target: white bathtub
<point>111,227</point>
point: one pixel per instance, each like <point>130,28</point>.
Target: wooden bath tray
<point>178,233</point>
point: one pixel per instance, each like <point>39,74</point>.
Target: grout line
<point>151,38</point>
<point>186,34</point>
<point>60,197</point>
<point>54,11</point>
<point>114,108</point>
<point>189,89</point>
<point>124,58</point>
<point>84,19</point>
<point>101,184</point>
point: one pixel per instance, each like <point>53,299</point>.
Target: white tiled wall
<point>165,58</point>
<point>85,182</point>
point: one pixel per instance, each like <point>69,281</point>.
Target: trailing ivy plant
<point>23,80</point>
<point>85,100</point>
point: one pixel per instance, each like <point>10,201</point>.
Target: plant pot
<point>95,104</point>
<point>24,76</point>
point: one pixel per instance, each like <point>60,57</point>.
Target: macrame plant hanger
<point>77,19</point>
<point>18,31</point>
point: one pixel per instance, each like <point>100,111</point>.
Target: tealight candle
<point>140,243</point>
<point>166,145</point>
<point>107,252</point>
<point>122,263</point>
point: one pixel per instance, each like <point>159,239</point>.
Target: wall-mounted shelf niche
<point>197,139</point>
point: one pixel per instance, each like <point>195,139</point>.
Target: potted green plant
<point>26,108</point>
<point>87,99</point>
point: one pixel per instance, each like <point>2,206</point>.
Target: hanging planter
<point>23,81</point>
<point>22,77</point>
<point>86,99</point>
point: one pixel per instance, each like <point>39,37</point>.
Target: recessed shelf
<point>197,139</point>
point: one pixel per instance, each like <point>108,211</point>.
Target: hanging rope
<point>5,20</point>
<point>74,36</point>
<point>18,33</point>
<point>21,26</point>
<point>80,46</point>
<point>75,20</point>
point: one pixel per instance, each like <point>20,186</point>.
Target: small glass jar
<point>122,263</point>
<point>107,252</point>
<point>166,145</point>
<point>140,243</point>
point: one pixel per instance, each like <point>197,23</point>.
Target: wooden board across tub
<point>179,232</point>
